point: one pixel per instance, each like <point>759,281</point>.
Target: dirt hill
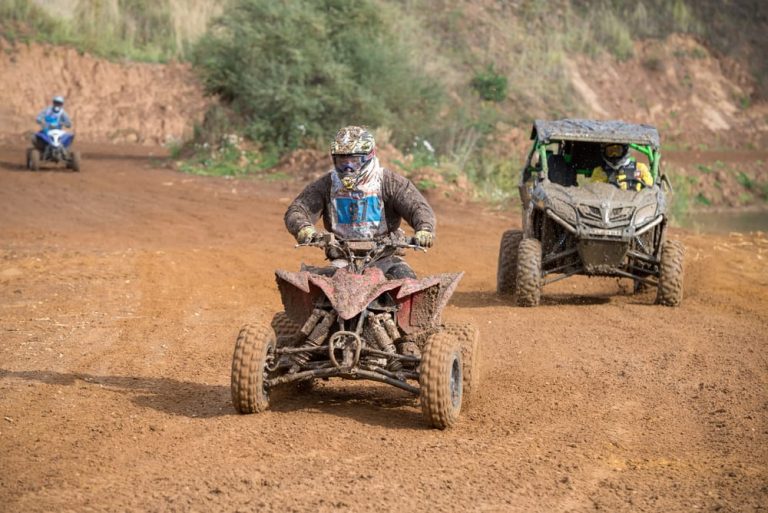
<point>108,101</point>
<point>694,98</point>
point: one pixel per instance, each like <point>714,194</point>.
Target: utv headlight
<point>645,214</point>
<point>563,210</point>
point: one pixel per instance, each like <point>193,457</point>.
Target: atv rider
<point>54,117</point>
<point>50,118</point>
<point>620,169</point>
<point>359,199</point>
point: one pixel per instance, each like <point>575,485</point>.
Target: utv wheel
<point>440,378</point>
<point>670,291</point>
<point>74,162</point>
<point>469,340</point>
<point>254,350</point>
<point>33,160</point>
<point>529,273</point>
<point>285,331</point>
<point>506,271</point>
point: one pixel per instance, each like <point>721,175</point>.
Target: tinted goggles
<point>613,150</point>
<point>349,163</point>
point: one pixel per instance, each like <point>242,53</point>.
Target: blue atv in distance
<point>53,145</point>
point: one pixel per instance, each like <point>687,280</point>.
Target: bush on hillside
<point>490,85</point>
<point>296,71</point>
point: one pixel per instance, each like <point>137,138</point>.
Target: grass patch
<point>138,30</point>
<point>228,159</point>
<point>745,181</point>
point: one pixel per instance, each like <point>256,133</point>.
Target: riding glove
<point>424,238</point>
<point>306,235</point>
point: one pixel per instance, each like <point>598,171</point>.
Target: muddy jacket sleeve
<point>308,206</point>
<point>407,202</point>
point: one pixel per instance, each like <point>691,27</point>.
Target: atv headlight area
<point>645,214</point>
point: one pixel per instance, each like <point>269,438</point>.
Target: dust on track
<point>122,289</point>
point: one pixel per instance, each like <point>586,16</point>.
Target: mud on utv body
<point>356,324</point>
<point>592,229</point>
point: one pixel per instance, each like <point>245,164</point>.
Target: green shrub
<point>490,85</point>
<point>296,71</point>
<point>744,180</point>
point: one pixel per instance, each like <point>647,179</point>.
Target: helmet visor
<point>613,151</point>
<point>348,164</point>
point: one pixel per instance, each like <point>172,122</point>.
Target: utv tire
<point>74,162</point>
<point>670,290</point>
<point>33,160</point>
<point>469,340</point>
<point>440,379</point>
<point>285,331</point>
<point>529,273</point>
<point>254,347</point>
<point>506,271</point>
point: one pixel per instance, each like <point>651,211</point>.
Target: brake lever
<point>411,244</point>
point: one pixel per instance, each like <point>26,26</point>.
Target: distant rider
<point>54,117</point>
<point>359,199</point>
<point>621,170</point>
<point>51,118</point>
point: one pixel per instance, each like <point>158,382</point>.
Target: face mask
<point>57,108</point>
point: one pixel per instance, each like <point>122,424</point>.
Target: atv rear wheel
<point>670,290</point>
<point>529,273</point>
<point>506,271</point>
<point>469,339</point>
<point>440,379</point>
<point>254,349</point>
<point>74,161</point>
<point>33,160</point>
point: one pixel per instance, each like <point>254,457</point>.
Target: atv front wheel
<point>506,271</point>
<point>33,160</point>
<point>670,290</point>
<point>469,339</point>
<point>74,161</point>
<point>440,379</point>
<point>254,350</point>
<point>529,273</point>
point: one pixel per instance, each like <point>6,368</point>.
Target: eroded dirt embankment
<point>122,289</point>
<point>108,101</point>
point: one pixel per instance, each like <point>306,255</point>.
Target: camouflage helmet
<point>353,140</point>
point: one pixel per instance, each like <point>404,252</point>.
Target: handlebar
<point>325,240</point>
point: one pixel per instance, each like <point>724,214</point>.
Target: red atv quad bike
<point>352,322</point>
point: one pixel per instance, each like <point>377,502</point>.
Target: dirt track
<point>121,292</point>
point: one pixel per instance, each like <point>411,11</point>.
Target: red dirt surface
<point>122,289</point>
